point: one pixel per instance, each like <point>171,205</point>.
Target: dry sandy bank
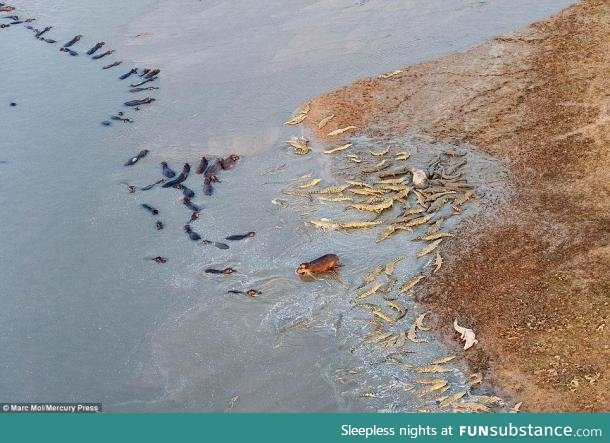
<point>531,277</point>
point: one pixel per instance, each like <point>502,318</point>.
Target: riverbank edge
<point>531,277</point>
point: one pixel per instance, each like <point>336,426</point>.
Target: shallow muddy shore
<point>531,274</point>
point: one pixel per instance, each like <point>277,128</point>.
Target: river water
<point>85,314</point>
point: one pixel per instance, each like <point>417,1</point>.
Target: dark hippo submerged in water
<point>159,259</point>
<point>133,160</point>
<point>212,171</point>
<point>152,73</point>
<point>152,185</point>
<point>74,40</point>
<point>45,30</point>
<point>225,271</point>
<point>182,177</point>
<point>143,82</point>
<point>216,244</point>
<point>229,162</point>
<point>122,119</point>
<point>249,292</point>
<point>95,48</point>
<point>69,51</point>
<point>112,65</point>
<point>192,234</point>
<point>187,192</point>
<point>104,54</point>
<point>241,236</point>
<point>207,186</point>
<point>167,171</point>
<point>193,207</point>
<point>150,88</point>
<point>127,74</point>
<point>150,209</point>
<point>201,167</point>
<point>144,101</point>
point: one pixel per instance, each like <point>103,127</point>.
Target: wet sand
<point>531,275</point>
